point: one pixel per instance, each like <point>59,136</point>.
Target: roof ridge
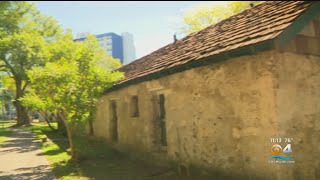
<point>196,32</point>
<point>254,25</point>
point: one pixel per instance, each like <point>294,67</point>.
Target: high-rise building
<point>120,47</point>
<point>129,51</point>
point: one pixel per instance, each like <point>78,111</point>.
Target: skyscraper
<point>129,51</point>
<point>120,47</point>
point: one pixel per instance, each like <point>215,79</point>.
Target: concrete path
<point>21,158</point>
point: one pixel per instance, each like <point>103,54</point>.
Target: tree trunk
<point>22,113</point>
<point>47,119</point>
<point>69,133</point>
<point>61,126</point>
<point>91,130</point>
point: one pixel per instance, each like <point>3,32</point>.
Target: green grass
<point>96,159</point>
<point>5,130</point>
<point>55,150</point>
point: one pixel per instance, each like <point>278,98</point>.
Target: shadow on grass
<point>55,136</point>
<point>97,160</point>
<point>66,169</point>
<point>100,161</point>
<point>5,132</point>
<point>51,152</point>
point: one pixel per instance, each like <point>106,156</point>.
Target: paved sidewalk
<point>21,158</point>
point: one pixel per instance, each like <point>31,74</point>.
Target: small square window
<point>134,106</point>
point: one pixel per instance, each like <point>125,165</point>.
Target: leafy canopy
<point>26,36</point>
<point>204,15</point>
<point>73,80</point>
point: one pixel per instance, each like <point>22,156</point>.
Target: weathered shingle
<point>260,23</point>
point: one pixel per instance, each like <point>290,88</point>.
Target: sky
<point>152,24</point>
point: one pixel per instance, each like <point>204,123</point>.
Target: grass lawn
<point>5,130</point>
<point>97,159</point>
<point>55,150</point>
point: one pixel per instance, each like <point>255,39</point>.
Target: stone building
<point>220,98</point>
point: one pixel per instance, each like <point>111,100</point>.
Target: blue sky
<point>151,23</point>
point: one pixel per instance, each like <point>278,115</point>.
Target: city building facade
<point>129,51</point>
<point>119,47</point>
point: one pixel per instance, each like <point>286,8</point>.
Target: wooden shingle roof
<point>260,23</point>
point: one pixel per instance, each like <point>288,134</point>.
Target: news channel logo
<point>280,154</point>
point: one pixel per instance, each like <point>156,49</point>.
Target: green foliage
<point>72,80</point>
<point>17,16</point>
<point>13,14</point>
<point>8,83</point>
<point>205,15</point>
<point>5,131</point>
<point>33,102</point>
<point>67,77</point>
<point>26,38</point>
<point>24,50</point>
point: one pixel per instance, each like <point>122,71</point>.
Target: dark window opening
<point>162,116</point>
<point>114,121</point>
<point>161,106</point>
<point>134,106</point>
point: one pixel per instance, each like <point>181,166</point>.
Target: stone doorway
<point>114,121</point>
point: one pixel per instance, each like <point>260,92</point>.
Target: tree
<point>6,101</point>
<point>10,89</point>
<point>71,84</point>
<point>205,15</point>
<point>12,15</point>
<point>25,35</point>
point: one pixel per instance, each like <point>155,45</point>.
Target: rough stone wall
<point>222,116</point>
<point>297,93</point>
<point>219,116</point>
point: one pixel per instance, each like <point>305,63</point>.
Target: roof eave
<point>304,19</point>
<point>279,42</point>
<point>217,58</point>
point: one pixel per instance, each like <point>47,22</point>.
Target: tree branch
<point>10,67</point>
<point>46,118</point>
<point>10,74</point>
<point>25,86</point>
